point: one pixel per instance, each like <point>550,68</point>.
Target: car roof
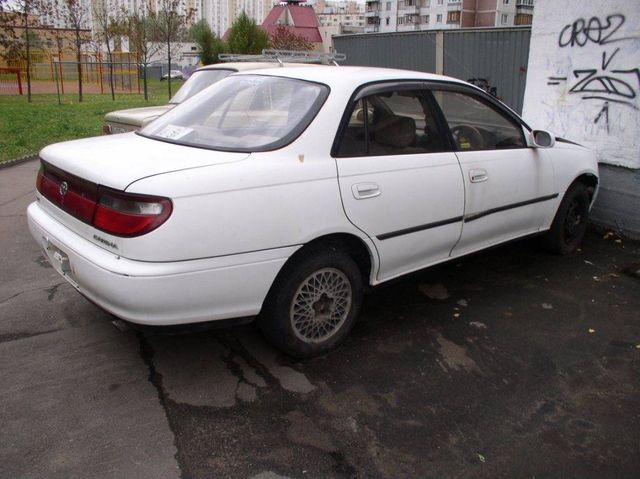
<point>244,66</point>
<point>340,77</point>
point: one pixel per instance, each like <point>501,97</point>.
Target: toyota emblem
<point>64,187</point>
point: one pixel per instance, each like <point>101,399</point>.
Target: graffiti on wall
<point>608,79</point>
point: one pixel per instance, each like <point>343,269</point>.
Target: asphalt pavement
<point>509,363</point>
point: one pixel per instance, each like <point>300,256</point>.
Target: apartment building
<point>340,17</point>
<point>412,15</point>
<point>346,15</point>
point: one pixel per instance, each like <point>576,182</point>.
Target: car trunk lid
<point>76,175</point>
<point>135,116</point>
<point>119,160</point>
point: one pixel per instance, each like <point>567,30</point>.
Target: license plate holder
<point>59,260</point>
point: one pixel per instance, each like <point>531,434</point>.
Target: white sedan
<point>282,194</point>
<point>173,74</point>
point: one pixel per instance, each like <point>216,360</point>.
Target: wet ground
<point>511,363</point>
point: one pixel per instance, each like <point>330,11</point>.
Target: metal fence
<point>10,81</point>
<point>126,76</point>
<point>492,58</point>
<point>51,73</point>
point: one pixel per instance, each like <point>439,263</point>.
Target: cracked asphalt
<point>510,363</point>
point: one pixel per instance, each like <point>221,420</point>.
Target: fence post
<point>61,77</point>
<point>439,52</point>
<point>57,86</point>
<point>100,73</point>
<point>19,82</point>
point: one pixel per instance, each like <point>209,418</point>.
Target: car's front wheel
<point>570,223</point>
<point>314,303</point>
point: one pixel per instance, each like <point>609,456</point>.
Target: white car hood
<point>119,160</point>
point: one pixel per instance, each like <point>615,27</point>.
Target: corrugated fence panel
<point>411,51</point>
<point>493,59</point>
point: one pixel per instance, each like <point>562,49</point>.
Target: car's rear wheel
<point>314,303</point>
<point>570,223</point>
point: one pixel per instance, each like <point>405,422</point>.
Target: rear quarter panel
<point>261,203</point>
<point>270,200</point>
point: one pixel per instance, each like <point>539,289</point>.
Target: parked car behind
<point>283,194</point>
<point>173,74</point>
<point>132,119</point>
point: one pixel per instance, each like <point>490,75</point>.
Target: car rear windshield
<point>242,113</point>
<point>197,82</point>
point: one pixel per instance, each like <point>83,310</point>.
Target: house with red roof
<point>298,19</point>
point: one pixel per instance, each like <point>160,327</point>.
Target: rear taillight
<point>74,195</point>
<point>112,211</point>
<point>124,214</point>
<point>106,129</point>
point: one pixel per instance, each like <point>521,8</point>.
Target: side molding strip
<point>415,229</point>
<point>481,214</point>
<point>466,219</point>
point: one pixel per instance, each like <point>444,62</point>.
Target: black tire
<point>570,223</point>
<point>318,307</point>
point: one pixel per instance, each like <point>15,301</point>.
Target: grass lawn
<point>27,127</point>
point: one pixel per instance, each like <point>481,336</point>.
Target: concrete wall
<point>584,76</point>
<point>583,84</point>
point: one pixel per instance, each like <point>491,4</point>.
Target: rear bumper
<point>158,293</point>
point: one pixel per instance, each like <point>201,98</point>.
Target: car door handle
<point>363,191</point>
<point>478,175</point>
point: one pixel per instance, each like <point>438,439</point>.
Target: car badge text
<point>105,242</point>
<point>64,187</point>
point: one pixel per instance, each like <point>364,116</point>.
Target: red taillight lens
<point>124,214</point>
<point>112,211</point>
<point>74,195</point>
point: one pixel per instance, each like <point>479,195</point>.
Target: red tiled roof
<point>305,22</point>
<point>273,16</point>
<point>303,16</point>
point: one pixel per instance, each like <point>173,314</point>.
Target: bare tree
<point>284,38</point>
<point>75,14</point>
<point>140,30</point>
<point>108,24</point>
<point>16,36</point>
<point>170,24</point>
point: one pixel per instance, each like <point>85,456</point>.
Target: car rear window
<point>242,113</point>
<point>197,82</point>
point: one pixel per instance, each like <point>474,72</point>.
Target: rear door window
<point>391,123</point>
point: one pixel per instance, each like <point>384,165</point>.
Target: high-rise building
<point>220,14</point>
<point>411,15</point>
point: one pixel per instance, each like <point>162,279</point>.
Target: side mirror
<point>542,139</point>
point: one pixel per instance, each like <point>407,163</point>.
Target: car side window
<point>476,124</point>
<point>354,135</point>
<point>391,123</point>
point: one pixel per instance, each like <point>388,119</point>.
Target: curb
<point>17,161</point>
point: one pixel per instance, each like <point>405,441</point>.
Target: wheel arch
<point>590,180</point>
<point>363,254</point>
